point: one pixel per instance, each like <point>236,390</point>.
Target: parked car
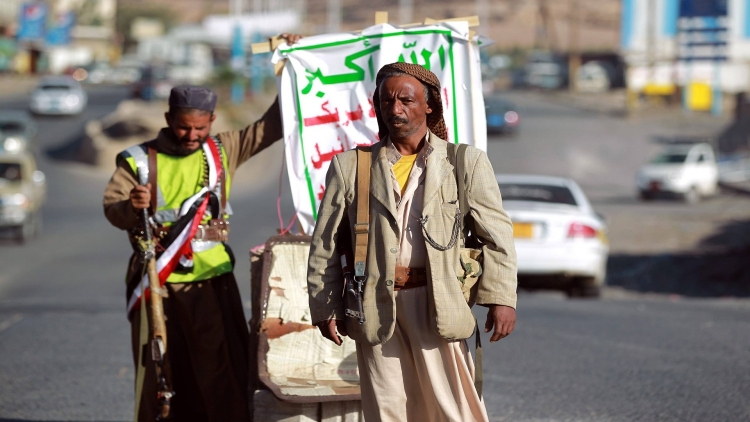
<point>560,241</point>
<point>123,74</point>
<point>685,170</point>
<point>17,131</point>
<point>60,95</point>
<point>154,82</point>
<point>502,116</point>
<point>94,73</point>
<point>22,194</point>
<point>545,69</point>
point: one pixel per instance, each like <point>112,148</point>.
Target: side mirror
<point>38,178</point>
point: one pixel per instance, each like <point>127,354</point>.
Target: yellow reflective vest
<point>179,178</point>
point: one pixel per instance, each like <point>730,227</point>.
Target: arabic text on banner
<point>326,90</point>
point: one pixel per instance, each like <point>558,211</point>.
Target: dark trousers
<point>207,339</point>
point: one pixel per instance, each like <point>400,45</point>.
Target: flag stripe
<point>181,245</point>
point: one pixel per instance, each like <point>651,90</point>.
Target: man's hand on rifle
<point>140,197</point>
<point>328,329</point>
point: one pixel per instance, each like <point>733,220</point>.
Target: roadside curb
<point>734,188</point>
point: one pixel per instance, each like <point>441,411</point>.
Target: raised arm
<point>243,144</point>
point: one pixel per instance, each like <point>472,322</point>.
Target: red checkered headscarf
<point>435,121</point>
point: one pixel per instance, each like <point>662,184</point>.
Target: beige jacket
<point>453,317</point>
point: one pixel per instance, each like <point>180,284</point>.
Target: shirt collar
<point>393,155</point>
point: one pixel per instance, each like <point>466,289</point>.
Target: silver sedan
<point>58,95</point>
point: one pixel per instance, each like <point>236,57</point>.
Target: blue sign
<point>59,34</point>
<point>702,8</point>
<point>238,64</point>
<point>703,38</point>
<point>31,22</point>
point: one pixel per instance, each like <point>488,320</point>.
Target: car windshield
<point>56,87</point>
<point>537,193</point>
<point>10,172</point>
<point>669,158</point>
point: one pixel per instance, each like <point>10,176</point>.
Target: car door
<point>712,171</point>
<point>705,172</point>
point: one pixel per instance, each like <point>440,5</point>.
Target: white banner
<point>326,91</point>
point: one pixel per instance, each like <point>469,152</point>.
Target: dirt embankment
<point>137,121</point>
<point>699,251</point>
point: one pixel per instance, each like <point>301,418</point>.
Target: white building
<point>701,45</point>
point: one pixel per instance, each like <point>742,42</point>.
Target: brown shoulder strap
<point>362,225</point>
<point>152,175</point>
<point>457,158</point>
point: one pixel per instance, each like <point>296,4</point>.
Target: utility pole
<point>405,11</point>
<point>574,48</point>
<point>334,16</point>
<point>238,52</point>
<point>549,39</point>
<point>483,11</point>
<point>651,40</point>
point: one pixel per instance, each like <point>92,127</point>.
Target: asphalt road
<point>64,338</point>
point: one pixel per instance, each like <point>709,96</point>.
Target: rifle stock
<point>352,286</point>
<point>158,340</point>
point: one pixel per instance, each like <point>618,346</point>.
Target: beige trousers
<point>417,375</point>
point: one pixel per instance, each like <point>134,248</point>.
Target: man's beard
<point>181,149</point>
<point>403,131</point>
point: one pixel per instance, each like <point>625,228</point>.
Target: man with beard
<point>189,175</point>
<point>413,359</point>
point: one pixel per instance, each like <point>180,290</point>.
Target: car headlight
<point>14,144</point>
<point>72,100</point>
<point>16,200</point>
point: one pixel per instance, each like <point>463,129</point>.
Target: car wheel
<point>692,196</point>
<point>25,232</point>
<point>584,288</point>
<point>645,195</point>
<point>37,224</point>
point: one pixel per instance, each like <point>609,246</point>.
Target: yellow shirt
<point>402,169</point>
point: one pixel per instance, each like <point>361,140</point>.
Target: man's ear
<point>168,118</point>
<point>429,109</point>
<point>213,117</point>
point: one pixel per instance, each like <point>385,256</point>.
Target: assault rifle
<point>158,340</point>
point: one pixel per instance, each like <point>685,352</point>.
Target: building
<point>51,35</point>
<point>698,50</point>
<point>591,25</point>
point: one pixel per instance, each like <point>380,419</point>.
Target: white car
<point>560,241</point>
<point>686,170</point>
<point>60,95</point>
